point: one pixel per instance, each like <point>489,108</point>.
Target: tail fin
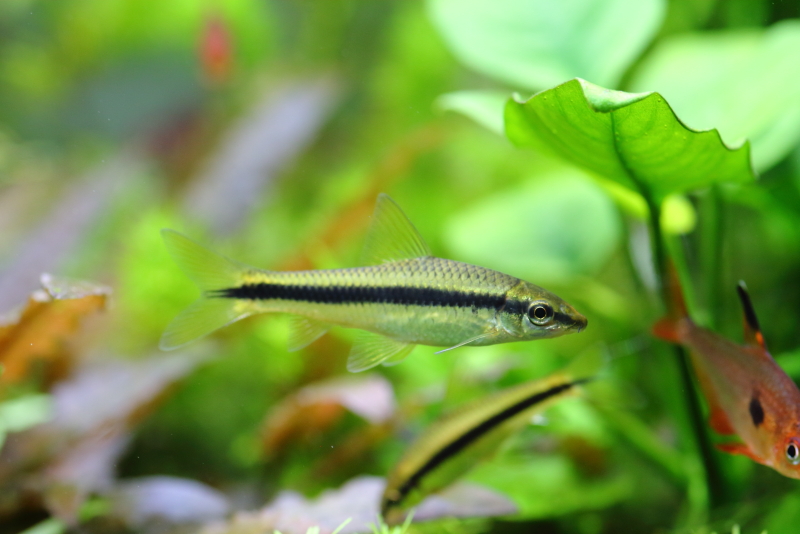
<point>667,328</point>
<point>210,271</point>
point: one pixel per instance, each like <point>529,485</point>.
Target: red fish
<point>216,54</point>
<point>748,394</point>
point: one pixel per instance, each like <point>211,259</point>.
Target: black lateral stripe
<point>563,318</point>
<point>521,307</point>
<point>516,307</point>
<point>475,433</point>
<point>419,296</point>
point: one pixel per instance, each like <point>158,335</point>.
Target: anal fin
<point>372,349</point>
<point>304,331</point>
<point>398,357</point>
<point>739,448</point>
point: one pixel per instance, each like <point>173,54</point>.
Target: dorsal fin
<point>752,332</point>
<point>391,236</point>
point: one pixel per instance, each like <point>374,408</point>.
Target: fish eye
<point>540,313</point>
<point>793,452</point>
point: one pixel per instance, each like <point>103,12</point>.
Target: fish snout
<point>577,320</point>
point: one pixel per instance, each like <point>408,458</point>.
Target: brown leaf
<point>84,468</point>
<point>39,331</point>
<point>248,158</point>
<point>175,500</point>
<point>56,236</point>
<point>61,462</point>
<point>316,408</point>
<point>357,500</point>
<point>352,450</point>
<point>464,500</point>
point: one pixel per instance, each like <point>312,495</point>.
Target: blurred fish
<point>452,445</point>
<point>216,54</point>
<point>406,297</point>
<point>748,394</point>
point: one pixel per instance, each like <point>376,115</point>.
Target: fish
<point>748,393</point>
<point>403,297</point>
<point>457,441</point>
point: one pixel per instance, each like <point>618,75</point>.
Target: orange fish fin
<point>739,448</point>
<point>752,331</point>
<point>667,329</point>
<point>677,304</point>
<point>719,422</point>
<point>717,418</point>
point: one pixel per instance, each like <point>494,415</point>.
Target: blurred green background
<point>265,129</point>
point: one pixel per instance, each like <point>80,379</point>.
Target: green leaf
<point>22,413</point>
<point>534,44</point>
<point>484,107</point>
<point>48,526</point>
<point>742,82</point>
<point>633,139</point>
<point>513,231</point>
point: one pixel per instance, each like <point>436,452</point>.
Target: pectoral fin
<point>304,331</point>
<point>739,448</point>
<point>371,349</point>
<point>467,342</point>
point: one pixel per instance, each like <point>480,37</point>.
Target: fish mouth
<point>572,319</point>
<point>579,322</point>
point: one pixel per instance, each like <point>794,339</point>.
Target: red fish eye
<point>793,451</point>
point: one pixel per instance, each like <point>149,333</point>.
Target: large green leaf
<point>746,83</point>
<point>484,107</point>
<point>534,44</point>
<point>633,139</point>
<point>556,226</point>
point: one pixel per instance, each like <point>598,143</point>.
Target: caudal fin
<point>668,328</point>
<point>210,271</point>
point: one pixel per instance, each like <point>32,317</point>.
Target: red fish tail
<point>676,304</point>
<point>668,328</point>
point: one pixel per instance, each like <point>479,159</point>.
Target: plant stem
<point>703,441</point>
<point>711,251</point>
